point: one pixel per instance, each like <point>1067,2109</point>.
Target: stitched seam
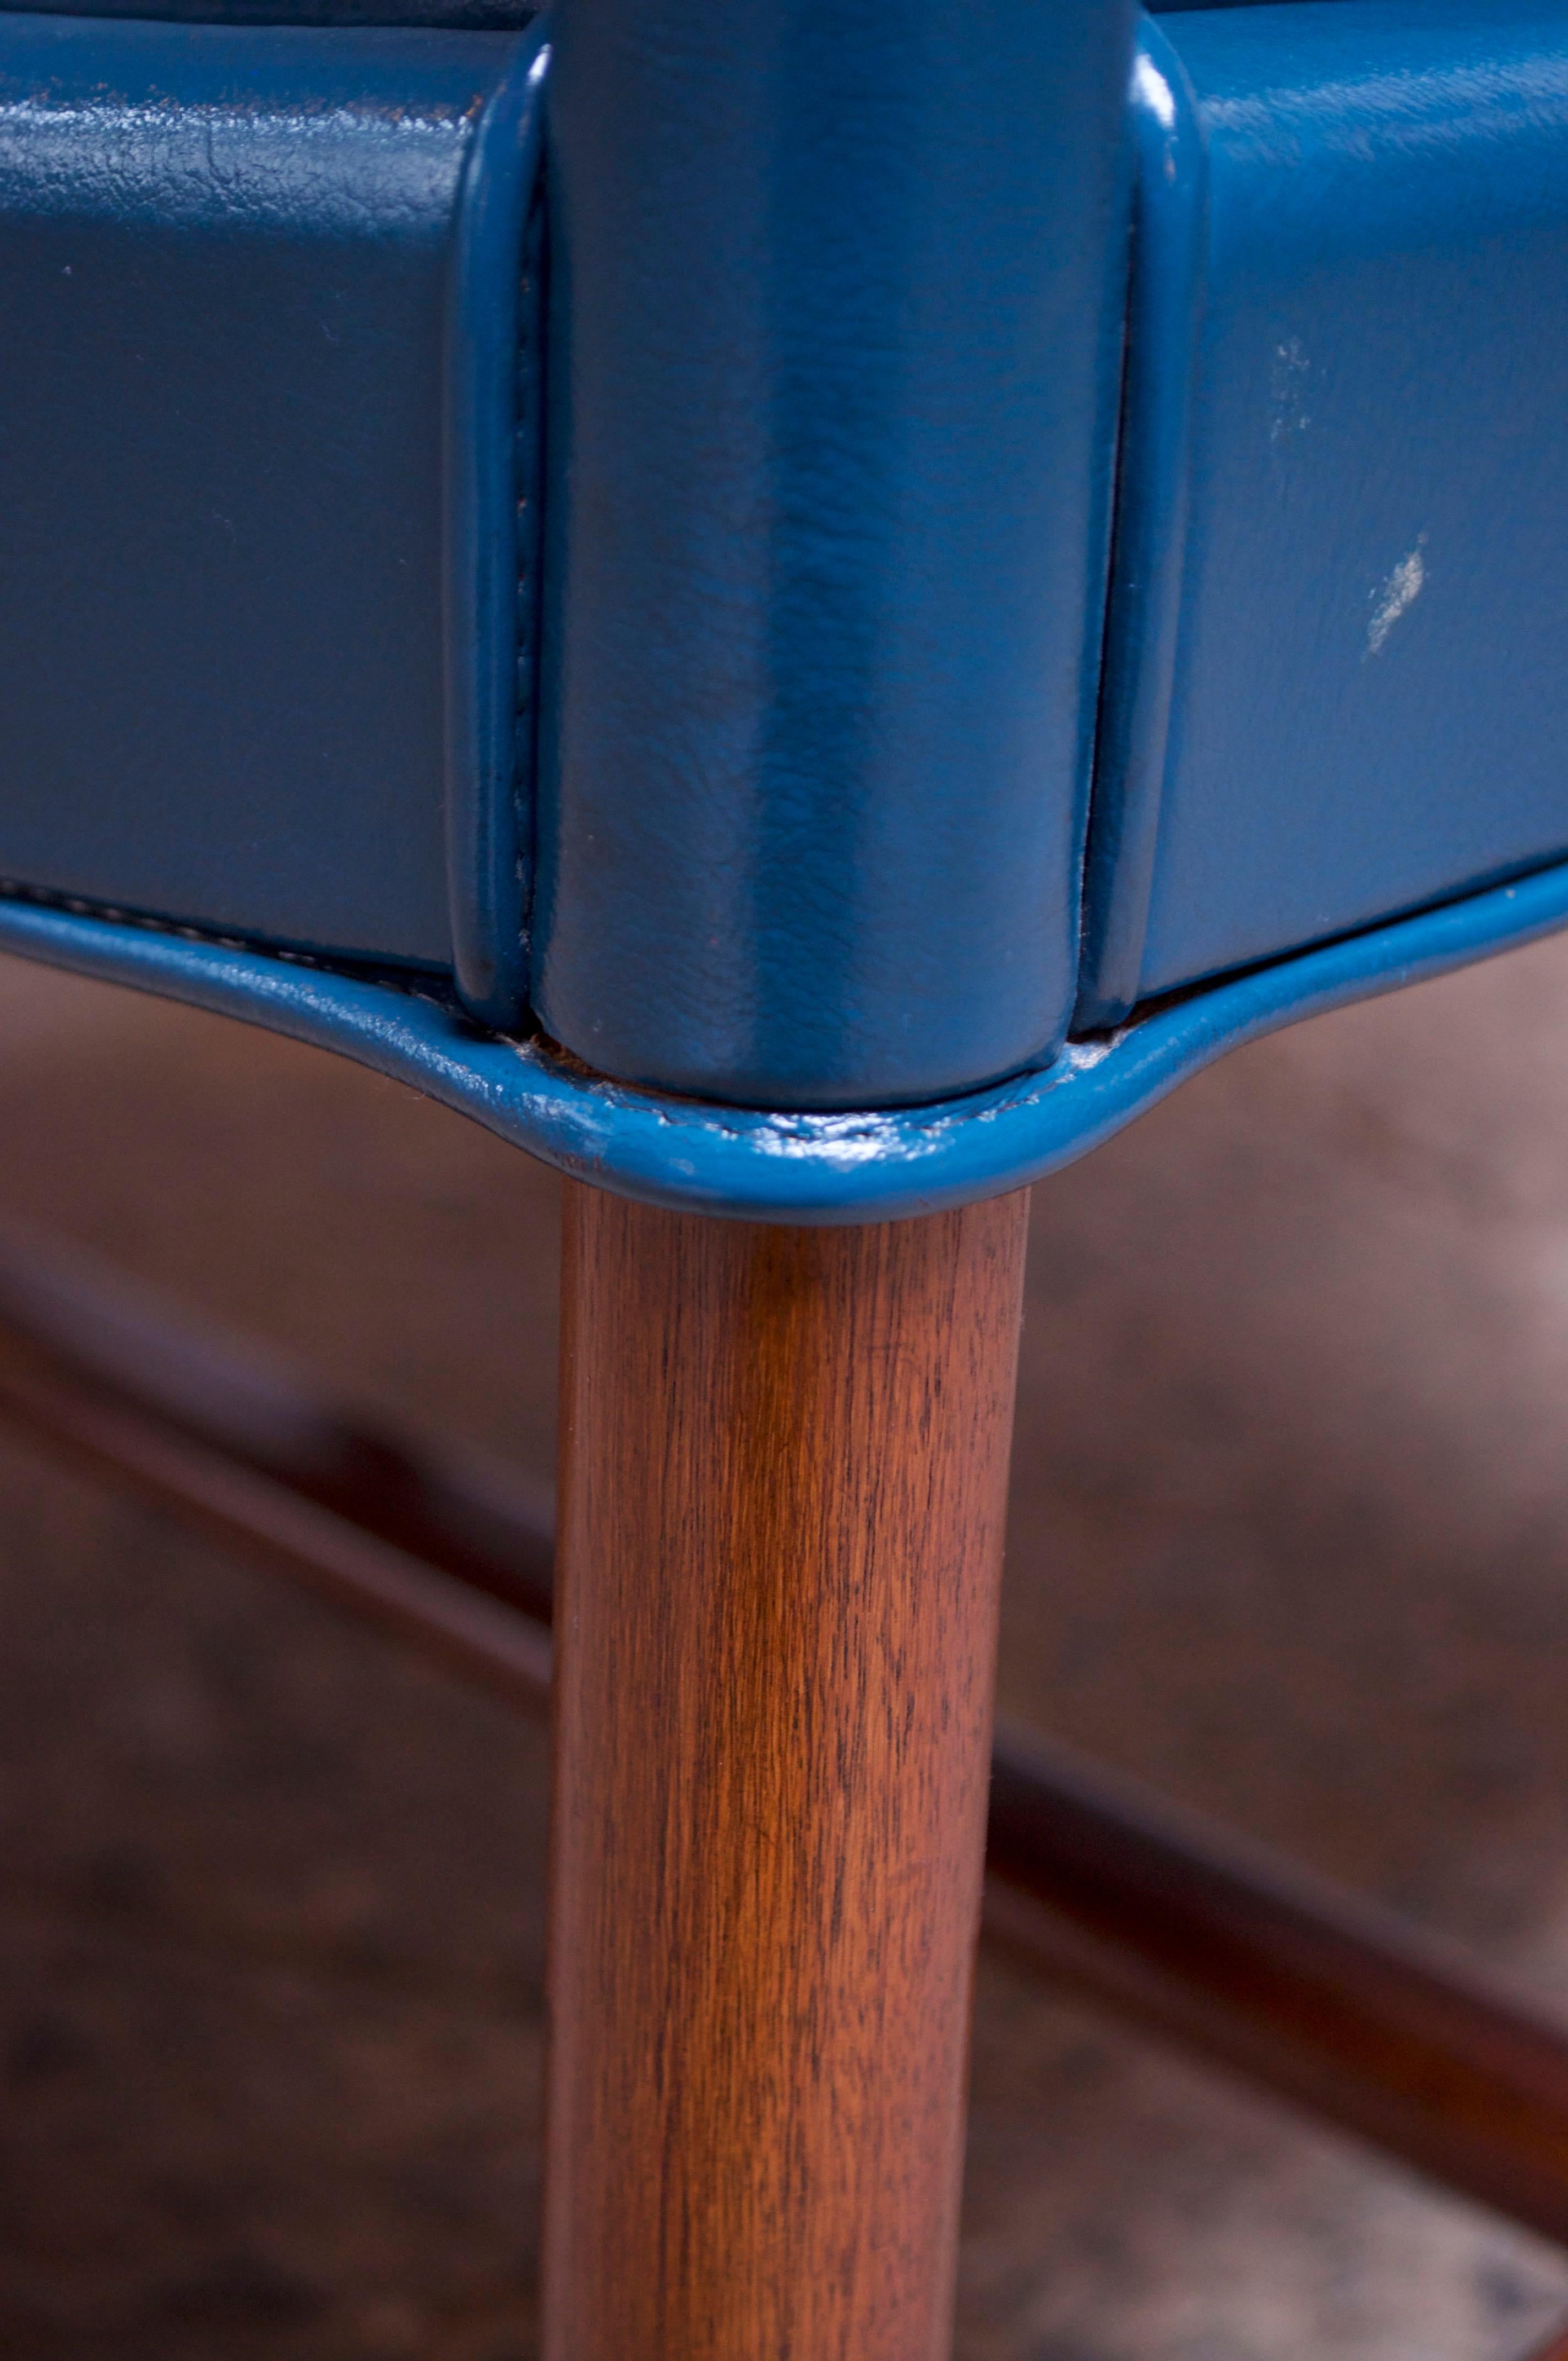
<point>412,983</point>
<point>529,471</point>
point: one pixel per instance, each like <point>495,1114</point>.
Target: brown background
<point>1289,1537</point>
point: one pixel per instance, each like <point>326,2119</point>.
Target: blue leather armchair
<point>989,589</point>
<point>799,614</point>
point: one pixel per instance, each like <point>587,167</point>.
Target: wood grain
<point>784,1465</point>
<point>1369,2021</point>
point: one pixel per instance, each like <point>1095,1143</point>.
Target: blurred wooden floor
<point>1290,1538</point>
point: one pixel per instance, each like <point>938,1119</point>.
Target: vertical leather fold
<point>836,306</point>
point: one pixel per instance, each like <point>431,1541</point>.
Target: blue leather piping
<point>493,367</point>
<point>1143,603</point>
<point>700,1157</point>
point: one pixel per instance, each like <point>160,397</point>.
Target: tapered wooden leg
<point>783,1463</point>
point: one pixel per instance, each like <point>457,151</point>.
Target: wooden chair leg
<point>784,1465</point>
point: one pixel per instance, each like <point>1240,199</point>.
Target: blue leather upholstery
<point>826,490</point>
<point>1348,697</point>
<point>836,310</point>
<point>227,441</point>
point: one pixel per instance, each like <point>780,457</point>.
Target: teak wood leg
<point>784,1465</point>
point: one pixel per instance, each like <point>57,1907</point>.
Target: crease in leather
<point>835,325</point>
